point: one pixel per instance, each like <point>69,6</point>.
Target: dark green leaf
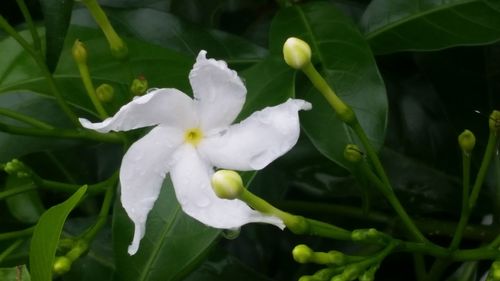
<point>57,14</point>
<point>27,206</point>
<point>348,66</point>
<point>409,25</point>
<point>174,242</point>
<point>14,273</point>
<point>46,236</point>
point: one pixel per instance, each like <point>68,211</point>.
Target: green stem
<point>25,118</point>
<point>103,213</point>
<point>419,265</point>
<point>89,87</point>
<point>66,187</point>
<point>17,190</point>
<point>393,200</point>
<point>17,234</point>
<point>37,44</point>
<point>44,69</point>
<point>10,249</point>
<point>483,169</point>
<point>63,133</point>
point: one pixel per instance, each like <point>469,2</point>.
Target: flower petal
<point>218,91</point>
<point>191,179</point>
<point>160,106</point>
<point>141,175</point>
<point>257,140</point>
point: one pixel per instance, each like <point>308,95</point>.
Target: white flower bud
<point>296,53</point>
<point>227,184</point>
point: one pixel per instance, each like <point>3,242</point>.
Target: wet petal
<point>162,106</point>
<point>141,175</point>
<point>191,179</point>
<point>218,91</point>
<point>257,140</point>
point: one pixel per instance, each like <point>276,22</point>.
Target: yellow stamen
<point>193,136</point>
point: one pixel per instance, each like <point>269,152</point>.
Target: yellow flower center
<point>193,136</point>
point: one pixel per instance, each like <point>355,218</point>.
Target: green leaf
<point>57,15</point>
<point>414,25</point>
<point>26,207</point>
<point>46,236</point>
<point>348,66</point>
<point>174,242</point>
<point>18,273</point>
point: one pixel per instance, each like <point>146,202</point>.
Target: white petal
<point>160,106</point>
<point>141,175</point>
<point>191,179</point>
<point>257,140</point>
<point>218,91</point>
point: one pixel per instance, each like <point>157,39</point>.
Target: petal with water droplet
<point>169,107</point>
<point>191,179</point>
<point>219,92</point>
<point>257,140</point>
<point>142,173</point>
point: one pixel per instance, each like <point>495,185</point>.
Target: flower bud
<point>336,257</point>
<point>467,141</point>
<point>302,254</point>
<point>61,265</point>
<point>118,48</point>
<point>17,168</point>
<point>227,184</point>
<point>364,234</point>
<point>79,52</point>
<point>494,123</point>
<point>139,86</point>
<point>105,92</point>
<point>369,275</point>
<point>352,153</point>
<point>297,53</point>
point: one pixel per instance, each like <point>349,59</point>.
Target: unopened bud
<point>61,265</point>
<point>297,53</point>
<point>139,86</point>
<point>16,168</point>
<point>118,48</point>
<point>365,234</point>
<point>494,123</point>
<point>336,257</point>
<point>302,254</point>
<point>369,275</point>
<point>467,141</point>
<point>352,153</point>
<point>105,92</point>
<point>79,52</point>
<point>227,184</point>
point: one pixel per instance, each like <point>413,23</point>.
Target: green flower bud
<point>467,141</point>
<point>118,48</point>
<point>364,234</point>
<point>339,277</point>
<point>369,275</point>
<point>352,153</point>
<point>494,123</point>
<point>79,52</point>
<point>302,254</point>
<point>336,257</point>
<point>61,265</point>
<point>227,184</point>
<point>17,168</point>
<point>105,92</point>
<point>296,53</point>
<point>139,86</point>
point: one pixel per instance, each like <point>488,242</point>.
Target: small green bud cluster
<point>62,264</point>
<point>139,86</point>
<point>365,234</point>
<point>17,168</point>
<point>105,92</point>
<point>303,254</point>
<point>494,122</point>
<point>352,153</point>
<point>79,52</point>
<point>467,141</point>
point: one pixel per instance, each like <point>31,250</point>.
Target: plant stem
<point>16,234</point>
<point>62,133</point>
<point>66,187</point>
<point>17,190</point>
<point>89,87</point>
<point>25,118</point>
<point>37,45</point>
<point>10,249</point>
<point>103,213</point>
<point>483,169</point>
<point>37,57</point>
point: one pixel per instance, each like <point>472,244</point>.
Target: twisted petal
<point>161,106</point>
<point>141,175</point>
<point>218,91</point>
<point>191,179</point>
<point>257,140</point>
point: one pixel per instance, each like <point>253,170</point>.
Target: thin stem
<point>89,87</point>
<point>10,249</point>
<point>393,200</point>
<point>483,169</point>
<point>44,69</point>
<point>16,234</point>
<point>419,265</point>
<point>103,213</point>
<point>66,187</point>
<point>62,133</point>
<point>37,44</point>
<point>17,190</point>
<point>25,118</point>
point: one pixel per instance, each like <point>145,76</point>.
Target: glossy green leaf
<point>173,244</point>
<point>347,64</point>
<point>415,25</point>
<point>57,15</point>
<point>169,31</point>
<point>26,207</point>
<point>18,273</point>
<point>46,236</point>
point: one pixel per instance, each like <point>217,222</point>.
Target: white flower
<point>191,137</point>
